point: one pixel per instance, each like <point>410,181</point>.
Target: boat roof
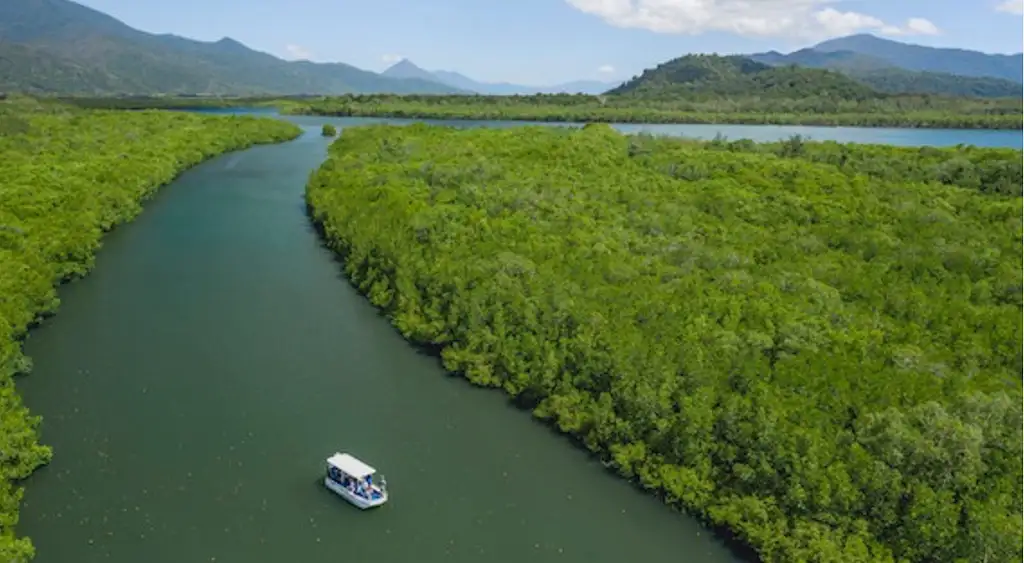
<point>350,465</point>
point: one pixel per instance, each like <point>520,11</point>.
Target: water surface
<point>760,133</point>
<point>193,384</point>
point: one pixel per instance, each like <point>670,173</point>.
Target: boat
<point>352,480</point>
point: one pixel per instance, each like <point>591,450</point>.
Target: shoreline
<point>21,428</point>
<point>862,121</point>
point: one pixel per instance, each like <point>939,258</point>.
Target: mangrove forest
<point>815,347</point>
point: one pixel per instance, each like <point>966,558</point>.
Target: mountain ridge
<point>698,76</point>
<point>59,46</point>
<point>407,68</point>
<point>951,60</point>
<point>62,47</point>
<point>884,76</point>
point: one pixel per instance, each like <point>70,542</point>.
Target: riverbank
<point>69,176</point>
<point>906,112</point>
<point>917,112</point>
<point>783,389</point>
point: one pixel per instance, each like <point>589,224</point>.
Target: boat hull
<point>358,501</point>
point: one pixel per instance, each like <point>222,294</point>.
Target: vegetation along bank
<point>813,345</point>
<point>66,177</point>
<point>909,113</point>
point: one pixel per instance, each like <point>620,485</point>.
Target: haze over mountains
<point>407,69</point>
<point>894,67</point>
<point>59,46</point>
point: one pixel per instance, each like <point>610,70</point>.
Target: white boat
<point>352,480</point>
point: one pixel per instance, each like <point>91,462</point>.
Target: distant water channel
<point>760,133</point>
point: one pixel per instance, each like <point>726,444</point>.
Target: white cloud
<point>391,58</point>
<point>760,18</point>
<point>921,26</point>
<point>606,69</point>
<point>298,53</point>
<point>1011,7</point>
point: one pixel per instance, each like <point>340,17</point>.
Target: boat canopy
<point>350,465</point>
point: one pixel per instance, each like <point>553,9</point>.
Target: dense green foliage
<point>57,46</point>
<point>66,177</point>
<point>816,346</point>
<point>906,111</point>
<point>883,77</point>
<point>738,76</point>
<point>328,130</point>
<point>899,81</point>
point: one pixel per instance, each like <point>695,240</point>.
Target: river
<point>194,382</point>
<point>761,133</point>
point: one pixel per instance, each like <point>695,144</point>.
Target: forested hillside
<point>961,62</point>
<point>817,346</point>
<point>889,111</point>
<point>703,76</point>
<point>884,77</point>
<point>59,46</point>
<point>67,176</point>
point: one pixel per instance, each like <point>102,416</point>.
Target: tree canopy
<point>66,177</point>
<point>738,75</point>
<point>816,346</point>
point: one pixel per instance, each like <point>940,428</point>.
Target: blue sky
<point>550,41</point>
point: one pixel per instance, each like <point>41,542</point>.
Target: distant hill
<point>700,76</point>
<point>961,62</point>
<point>466,83</point>
<point>883,76</point>
<point>407,69</point>
<point>59,46</point>
<point>592,87</point>
<point>836,60</point>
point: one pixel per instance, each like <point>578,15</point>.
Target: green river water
<point>192,385</point>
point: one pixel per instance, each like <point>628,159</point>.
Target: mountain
<point>929,59</point>
<point>59,46</point>
<point>835,60</point>
<point>405,69</point>
<point>696,76</point>
<point>883,76</point>
<point>463,82</point>
<point>593,87</point>
<point>455,79</point>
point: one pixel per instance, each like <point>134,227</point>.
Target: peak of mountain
<point>407,69</point>
<point>229,43</point>
<point>60,46</point>
<point>908,56</point>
